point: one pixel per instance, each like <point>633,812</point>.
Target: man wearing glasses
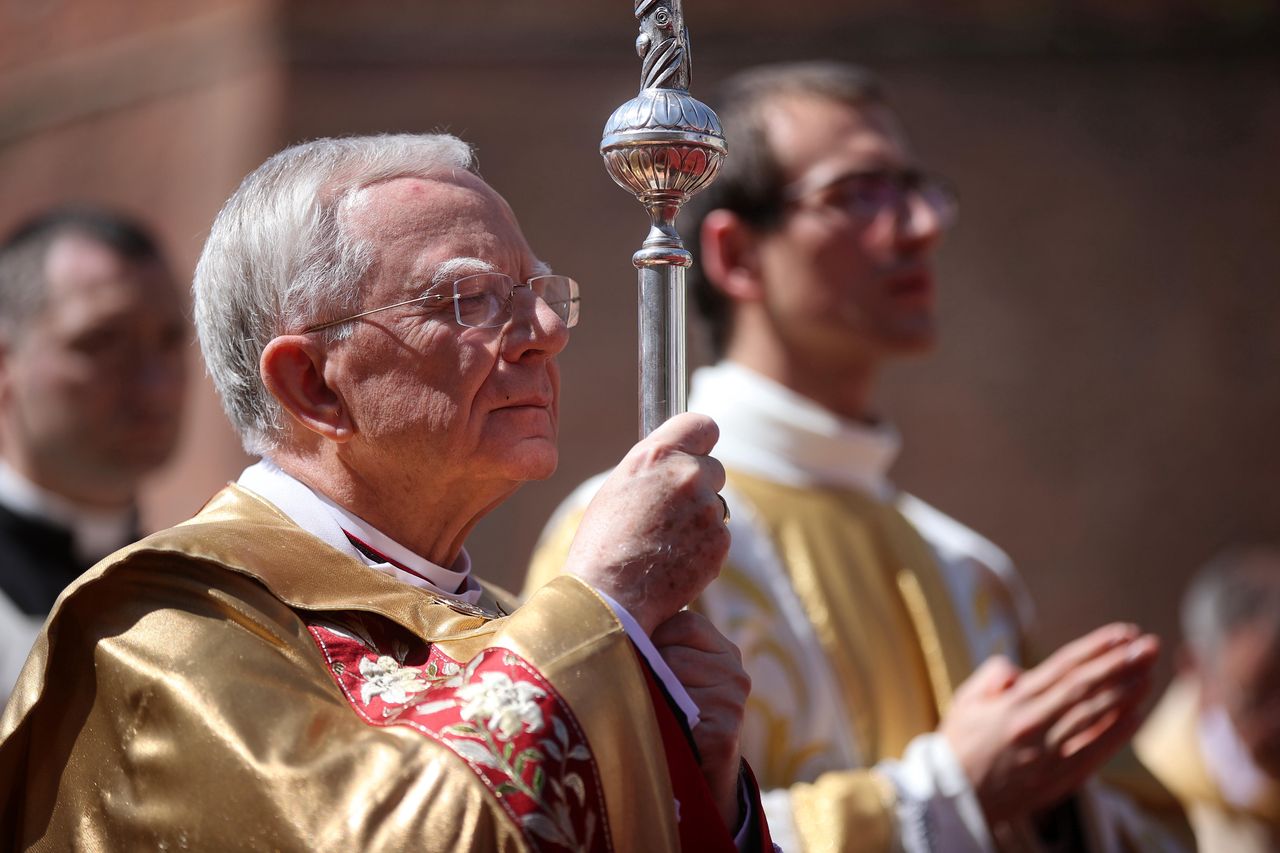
<point>310,663</point>
<point>889,708</point>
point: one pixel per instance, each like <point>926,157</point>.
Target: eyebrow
<point>822,179</point>
<point>455,268</point>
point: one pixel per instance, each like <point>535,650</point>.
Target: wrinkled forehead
<point>811,133</point>
<point>417,223</point>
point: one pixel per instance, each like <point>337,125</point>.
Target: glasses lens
<point>482,300</point>
<point>868,195</point>
<point>561,295</point>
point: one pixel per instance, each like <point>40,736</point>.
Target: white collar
<point>95,533</point>
<point>769,430</point>
<point>321,517</point>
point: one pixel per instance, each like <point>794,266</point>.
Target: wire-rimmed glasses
<point>483,301</point>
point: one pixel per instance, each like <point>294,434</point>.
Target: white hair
<point>1239,588</point>
<point>281,255</point>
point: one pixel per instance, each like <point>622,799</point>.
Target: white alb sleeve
<point>937,809</point>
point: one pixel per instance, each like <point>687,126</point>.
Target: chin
<point>534,459</point>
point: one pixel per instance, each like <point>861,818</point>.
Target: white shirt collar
<point>95,533</point>
<point>768,430</point>
<point>323,518</point>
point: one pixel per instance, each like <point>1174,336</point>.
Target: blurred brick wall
<point>159,113</point>
<point>1105,395</point>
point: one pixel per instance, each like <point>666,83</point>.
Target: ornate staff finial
<point>663,146</point>
<point>663,45</point>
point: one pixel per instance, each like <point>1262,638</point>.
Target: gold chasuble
<point>234,683</point>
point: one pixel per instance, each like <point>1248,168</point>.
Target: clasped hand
<point>1026,739</point>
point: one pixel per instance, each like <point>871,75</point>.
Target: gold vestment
<point>183,696</point>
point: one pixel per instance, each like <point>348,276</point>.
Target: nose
<point>534,328</point>
<point>919,223</point>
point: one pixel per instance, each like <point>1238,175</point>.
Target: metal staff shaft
<point>663,384</point>
<point>663,146</point>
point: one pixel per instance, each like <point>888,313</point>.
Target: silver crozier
<point>663,145</point>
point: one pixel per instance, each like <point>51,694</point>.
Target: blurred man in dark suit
<point>92,340</point>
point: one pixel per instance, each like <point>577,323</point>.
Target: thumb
<point>996,675</point>
<point>689,432</point>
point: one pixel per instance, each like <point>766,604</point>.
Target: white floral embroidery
<point>388,680</point>
<point>505,706</point>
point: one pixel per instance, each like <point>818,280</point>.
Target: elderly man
<point>885,640</point>
<point>92,348</point>
<point>1214,739</point>
<point>309,663</point>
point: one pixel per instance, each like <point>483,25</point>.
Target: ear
<point>730,256</point>
<point>292,368</point>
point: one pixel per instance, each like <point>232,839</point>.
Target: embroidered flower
<point>505,706</point>
<point>389,681</point>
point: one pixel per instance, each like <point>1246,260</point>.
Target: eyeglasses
<point>483,301</point>
<point>868,195</point>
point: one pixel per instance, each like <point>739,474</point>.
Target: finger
<point>679,630</point>
<point>1088,720</point>
<point>692,630</point>
<point>1126,663</point>
<point>1082,755</point>
<point>712,472</point>
<point>695,668</point>
<point>1075,653</point>
<point>996,674</point>
<point>708,677</point>
<point>689,432</point>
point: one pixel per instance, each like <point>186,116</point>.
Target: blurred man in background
<point>886,641</point>
<point>92,346</point>
<point>1214,740</point>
